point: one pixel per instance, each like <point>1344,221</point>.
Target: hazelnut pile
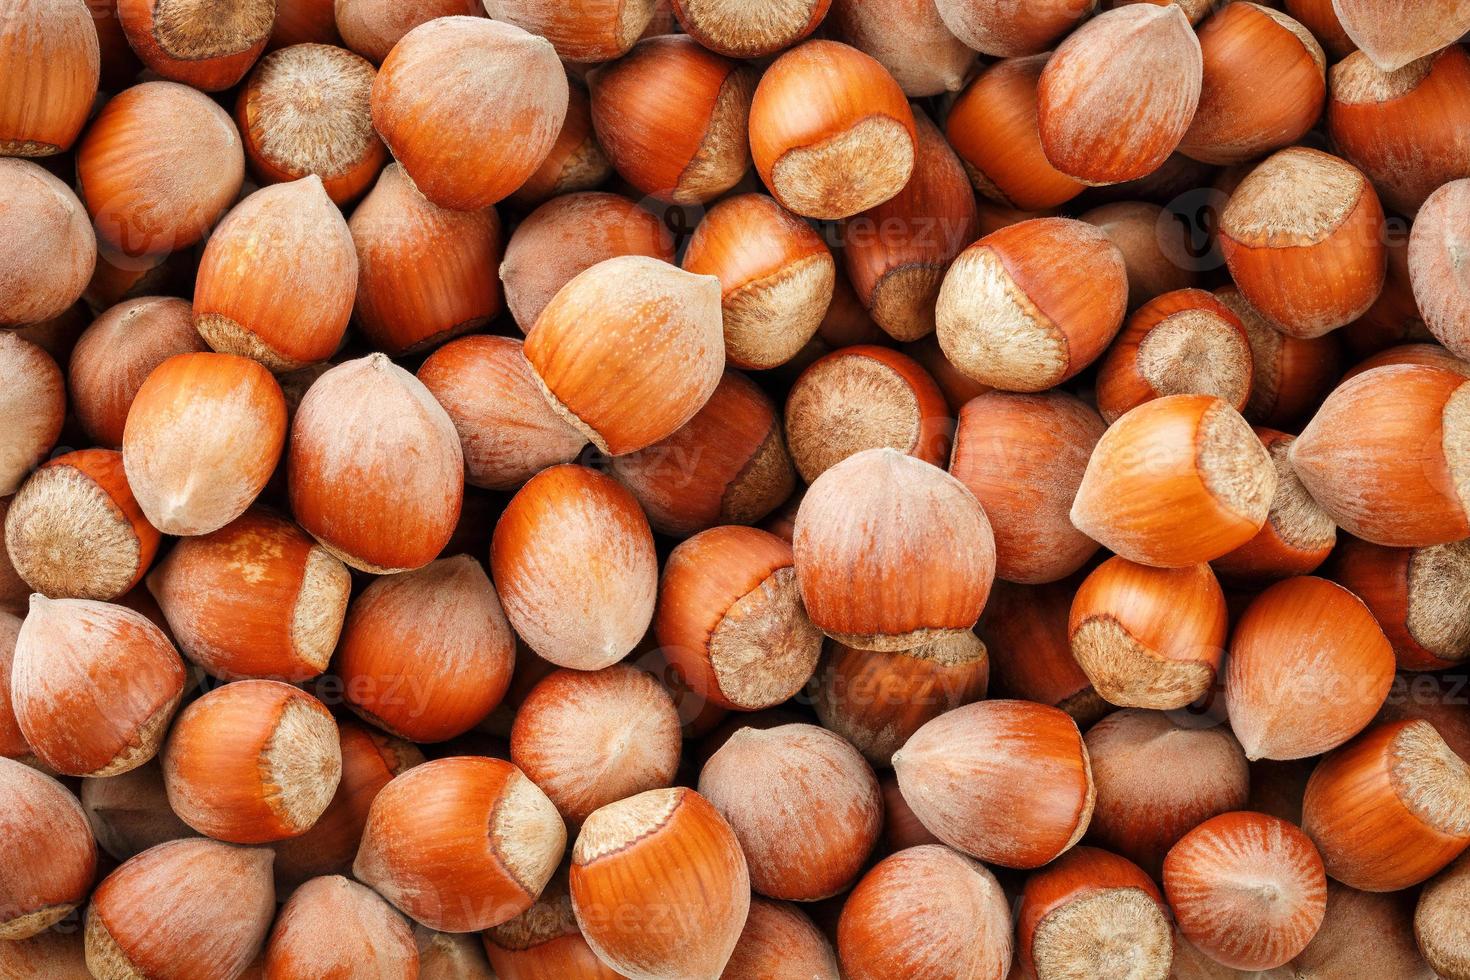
<point>745,489</point>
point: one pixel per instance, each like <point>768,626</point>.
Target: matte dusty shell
<point>568,235</point>
<point>278,277</point>
<point>12,742</point>
<point>53,858</point>
<point>506,429</point>
<point>1140,815</point>
<point>580,30</point>
<point>726,465</point>
<point>574,563</point>
<point>203,436</point>
<point>129,812</point>
<point>1388,456</point>
<point>470,107</point>
<point>118,352</point>
<point>1023,457</point>
<point>1405,129</point>
<point>52,954</point>
<point>1156,246</point>
<point>370,760</point>
<point>672,118</point>
<point>1149,637</point>
<point>1389,809</point>
<point>257,598</point>
<point>373,27</point>
<point>896,253</point>
<point>158,167</point>
<point>1309,667</point>
<point>1002,29</point>
<point>1290,375</point>
<point>576,162</point>
<point>969,771</point>
<point>779,936</point>
<point>184,908</point>
<point>1029,306</point>
<point>1118,95</point>
<point>47,248</point>
<point>74,530</point>
<point>1185,342</point>
<point>1365,933</point>
<point>590,738</point>
<point>1090,913</point>
<point>1025,630</point>
<point>454,956</point>
<point>1236,121</point>
<point>543,943</point>
<point>376,470</point>
<point>196,41</point>
<point>335,927</point>
<point>730,619</point>
<point>1394,35</point>
<point>923,57</point>
<point>749,32</point>
<point>629,350</point>
<point>32,408</point>
<point>304,111</point>
<point>776,278</point>
<point>892,552</point>
<point>1176,481</point>
<point>1441,288</point>
<point>992,126</point>
<point>1439,921</point>
<point>665,853</point>
<point>804,805</point>
<point>877,700</point>
<point>1414,593</point>
<point>831,131</point>
<point>461,844</point>
<point>50,61</point>
<point>1303,238</point>
<point>252,762</point>
<point>1298,534</point>
<point>93,685</point>
<point>406,303</point>
<point>895,922</point>
<point>865,397</point>
<point>427,654</point>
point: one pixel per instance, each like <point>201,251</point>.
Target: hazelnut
<point>1438,925</point>
<point>671,118</point>
<point>860,398</point>
<point>188,907</point>
<point>1393,35</point>
<point>892,552</point>
<point>1028,307</point>
<point>304,22</point>
<point>967,772</point>
<point>460,844</point>
<point>288,305</point>
<point>469,107</point>
<point>1364,933</point>
<point>373,27</point>
<point>1156,248</point>
<point>12,742</point>
<point>53,856</point>
<point>544,942</point>
<point>576,162</point>
<point>1025,630</point>
<point>924,58</point>
<point>660,886</point>
<point>780,937</point>
<point>1290,375</point>
<point>1440,289</point>
<point>1412,593</point>
<point>730,620</point>
<point>580,30</point>
<point>332,925</point>
<point>804,805</point>
<point>740,32</point>
<point>195,41</point>
<point>1320,17</point>
<point>32,408</point>
<point>74,530</point>
<point>93,685</point>
<point>257,598</point>
<point>118,352</point>
<point>831,131</point>
<point>52,954</point>
<point>203,436</point>
<point>129,813</point>
<point>574,564</point>
<point>376,472</point>
<point>1023,457</point>
<point>160,164</point>
<point>776,278</point>
<point>1118,95</point>
<point>47,249</point>
<point>1002,29</point>
<point>1298,534</point>
<point>50,60</point>
<point>891,925</point>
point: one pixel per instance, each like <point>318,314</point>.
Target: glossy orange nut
<point>54,856</point>
<point>196,43</point>
<point>50,62</point>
